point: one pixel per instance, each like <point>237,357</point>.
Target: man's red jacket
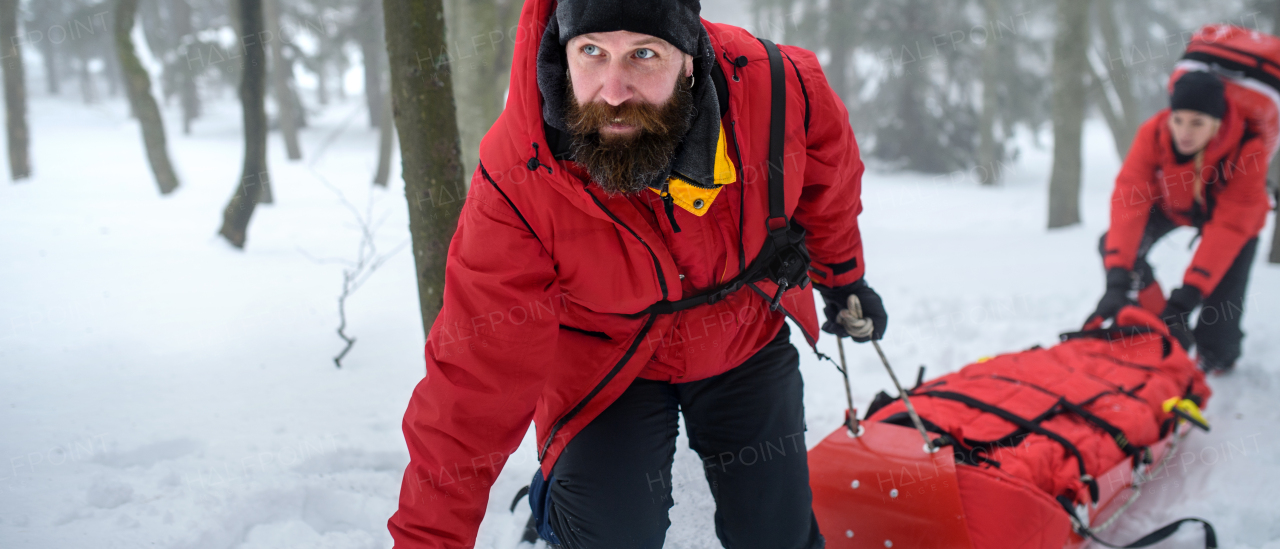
<point>546,273</point>
<point>1234,172</point>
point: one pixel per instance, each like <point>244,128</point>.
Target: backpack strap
<point>777,221</point>
<point>1254,66</point>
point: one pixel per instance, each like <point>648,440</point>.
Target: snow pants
<point>1217,332</point>
<point>611,488</point>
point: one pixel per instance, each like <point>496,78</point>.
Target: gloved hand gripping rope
<point>853,321</point>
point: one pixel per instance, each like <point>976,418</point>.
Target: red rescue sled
<point>1036,449</point>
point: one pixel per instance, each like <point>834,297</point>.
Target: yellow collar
<point>697,200</point>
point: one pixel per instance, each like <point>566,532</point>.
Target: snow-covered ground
<point>160,389</point>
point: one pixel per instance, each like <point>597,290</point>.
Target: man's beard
<point>626,164</point>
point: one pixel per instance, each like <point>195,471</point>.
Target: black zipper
<point>669,205</point>
<point>742,196</point>
<point>662,279</point>
<point>662,282</point>
<point>599,386</point>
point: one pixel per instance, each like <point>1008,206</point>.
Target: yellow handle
<point>1186,409</point>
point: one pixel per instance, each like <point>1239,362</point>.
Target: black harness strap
<point>1116,434</point>
<point>777,223</point>
<point>738,282</point>
<point>1121,440</point>
<point>1025,424</point>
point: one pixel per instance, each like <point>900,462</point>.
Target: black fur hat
<point>676,21</point>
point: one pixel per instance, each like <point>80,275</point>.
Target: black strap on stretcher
<point>783,258</point>
<point>1116,434</point>
<point>1027,424</point>
<point>1116,333</point>
<point>1157,536</point>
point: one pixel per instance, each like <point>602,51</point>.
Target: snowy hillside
<point>160,389</point>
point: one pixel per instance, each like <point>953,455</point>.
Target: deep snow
<point>160,389</point>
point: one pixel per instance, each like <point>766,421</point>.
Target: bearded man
<point>618,262</point>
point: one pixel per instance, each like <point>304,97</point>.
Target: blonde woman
<point>1197,164</point>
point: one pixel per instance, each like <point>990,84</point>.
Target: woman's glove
<point>1119,282</point>
<point>1177,313</point>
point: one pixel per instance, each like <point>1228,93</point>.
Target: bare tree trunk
<point>299,108</point>
<point>281,74</point>
<point>1275,243</point>
<point>386,123</point>
<point>50,55</point>
<point>15,92</point>
<point>427,125</point>
<point>47,15</point>
<point>322,81</point>
<point>1126,121</point>
<point>1270,11</point>
<point>253,177</point>
<point>1069,68</point>
<point>372,52</point>
<point>111,61</point>
<point>138,86</point>
<point>1115,120</point>
<point>386,140</point>
<point>988,153</point>
<point>187,93</point>
<point>340,87</point>
<point>840,40</point>
<point>88,90</point>
<point>480,60</point>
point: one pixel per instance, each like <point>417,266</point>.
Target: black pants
<point>611,488</point>
<point>1217,332</point>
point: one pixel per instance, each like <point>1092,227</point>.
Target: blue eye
<point>646,53</point>
<point>591,49</point>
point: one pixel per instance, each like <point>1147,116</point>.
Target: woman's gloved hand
<point>1177,314</point>
<point>1119,282</point>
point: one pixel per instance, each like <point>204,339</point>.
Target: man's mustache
<point>648,117</point>
<point>596,115</point>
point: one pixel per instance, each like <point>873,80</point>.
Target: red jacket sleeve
<point>484,356</point>
<point>831,198</point>
<point>1238,216</point>
<point>1132,198</point>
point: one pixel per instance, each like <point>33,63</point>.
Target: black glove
<point>837,299</point>
<point>1177,313</point>
<point>1119,282</point>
